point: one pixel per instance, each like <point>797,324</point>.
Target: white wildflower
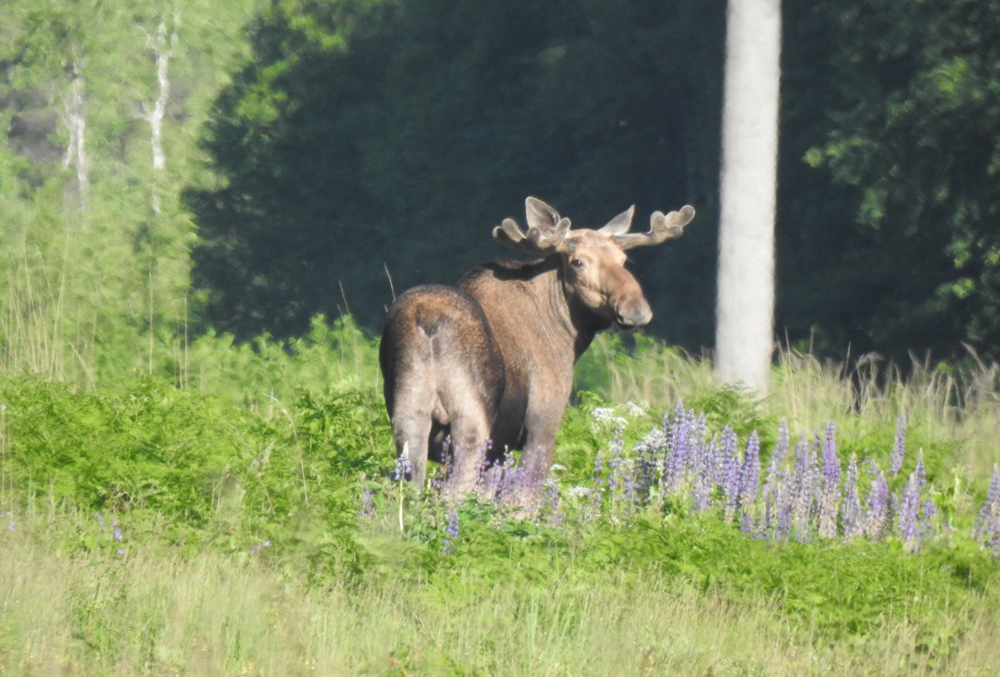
<point>635,409</point>
<point>601,414</point>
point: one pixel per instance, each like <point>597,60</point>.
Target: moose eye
<point>576,263</point>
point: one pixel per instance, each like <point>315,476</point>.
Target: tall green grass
<point>234,475</point>
<point>210,615</point>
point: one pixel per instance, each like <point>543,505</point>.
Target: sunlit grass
<point>270,441</point>
<point>217,615</point>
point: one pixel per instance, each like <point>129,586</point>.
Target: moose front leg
<point>547,400</point>
<point>524,486</point>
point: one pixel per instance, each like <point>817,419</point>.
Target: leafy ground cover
<point>252,525</point>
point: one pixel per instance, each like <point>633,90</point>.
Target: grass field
<point>244,519</point>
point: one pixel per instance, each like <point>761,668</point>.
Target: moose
<point>490,361</point>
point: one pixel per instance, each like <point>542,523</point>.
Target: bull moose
<point>491,359</point>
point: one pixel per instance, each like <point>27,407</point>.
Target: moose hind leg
<point>469,438</point>
<point>411,435</point>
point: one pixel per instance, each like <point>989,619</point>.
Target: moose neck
<point>575,323</point>
<point>531,296</point>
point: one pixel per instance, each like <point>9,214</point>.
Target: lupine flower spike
<point>898,447</point>
<point>987,527</point>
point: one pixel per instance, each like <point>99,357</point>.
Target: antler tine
<point>536,240</point>
<point>661,228</point>
<point>510,234</point>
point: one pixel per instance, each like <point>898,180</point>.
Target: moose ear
<point>539,215</point>
<point>620,224</point>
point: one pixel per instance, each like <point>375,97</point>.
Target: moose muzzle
<point>634,313</point>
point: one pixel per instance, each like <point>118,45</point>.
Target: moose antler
<point>661,228</point>
<point>546,229</point>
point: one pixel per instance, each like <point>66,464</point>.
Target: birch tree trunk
<point>745,309</point>
<point>76,149</point>
<point>161,47</point>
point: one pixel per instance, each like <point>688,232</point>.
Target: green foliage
<point>740,409</point>
<point>96,269</point>
<point>299,486</point>
<point>194,469</point>
<point>902,129</point>
<point>265,372</point>
<point>403,129</point>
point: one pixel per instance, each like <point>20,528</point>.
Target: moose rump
<point>444,375</point>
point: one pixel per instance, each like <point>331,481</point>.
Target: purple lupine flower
<point>898,447</point>
<point>700,441</point>
<point>451,534</point>
<point>616,457</point>
<point>645,467</point>
<point>661,454</point>
<point>257,548</point>
<point>593,507</point>
<point>851,512</point>
<point>987,526</point>
<point>444,468</point>
<point>550,500</point>
<point>598,465</point>
<point>692,432</point>
<point>784,442</point>
<point>916,514</point>
<point>908,521</point>
<point>729,478</point>
<point>876,521</point>
<point>484,465</point>
<point>992,500</point>
<point>118,534</point>
<point>784,507</point>
<point>621,478</point>
<point>829,505</point>
<point>678,445</point>
<point>100,520</point>
<point>804,483</point>
<point>493,477</point>
<point>513,478</point>
<point>750,473</point>
<point>367,509</point>
<point>920,471</point>
<point>403,465</point>
<point>927,512</point>
<point>629,487</point>
<point>769,494</point>
<point>705,476</point>
<point>777,459</point>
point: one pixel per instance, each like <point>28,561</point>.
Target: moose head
<point>593,261</point>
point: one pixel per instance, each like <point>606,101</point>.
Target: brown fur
<point>492,358</point>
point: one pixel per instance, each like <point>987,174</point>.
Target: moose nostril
<point>633,317</point>
<point>637,318</point>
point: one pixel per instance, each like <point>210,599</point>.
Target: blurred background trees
<point>311,144</point>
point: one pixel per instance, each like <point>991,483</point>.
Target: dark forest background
<point>313,144</point>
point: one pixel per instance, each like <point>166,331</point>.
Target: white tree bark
<point>76,149</point>
<point>162,48</point>
<point>745,309</point>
